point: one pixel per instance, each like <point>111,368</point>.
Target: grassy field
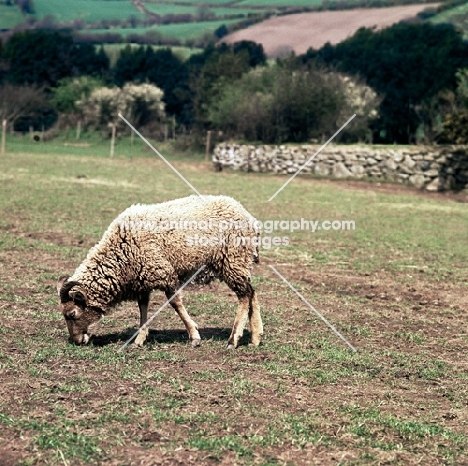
<point>9,16</point>
<point>87,10</point>
<point>298,3</point>
<point>191,31</point>
<point>211,3</point>
<point>281,3</point>
<point>257,4</point>
<point>166,9</point>
<point>458,16</point>
<point>113,51</point>
<point>395,287</point>
<point>181,31</point>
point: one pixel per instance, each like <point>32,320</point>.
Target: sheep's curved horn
<point>65,291</point>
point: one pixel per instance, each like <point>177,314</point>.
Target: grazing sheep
<point>161,246</point>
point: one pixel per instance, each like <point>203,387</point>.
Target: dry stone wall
<point>435,168</point>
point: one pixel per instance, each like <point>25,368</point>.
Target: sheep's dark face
<point>78,315</point>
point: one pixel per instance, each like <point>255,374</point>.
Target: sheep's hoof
<point>196,342</point>
<point>230,346</point>
<point>141,338</point>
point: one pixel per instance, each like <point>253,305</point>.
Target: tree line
<point>413,67</point>
<point>405,84</point>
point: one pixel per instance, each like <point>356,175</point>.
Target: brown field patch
<point>299,32</point>
<point>192,383</point>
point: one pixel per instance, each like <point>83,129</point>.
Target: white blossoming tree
<point>362,101</point>
<point>142,103</point>
<point>138,103</point>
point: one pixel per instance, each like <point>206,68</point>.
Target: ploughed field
<point>395,287</point>
<point>299,32</point>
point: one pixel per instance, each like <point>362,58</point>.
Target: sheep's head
<point>79,316</point>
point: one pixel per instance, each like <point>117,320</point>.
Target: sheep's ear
<point>60,283</point>
<point>69,289</point>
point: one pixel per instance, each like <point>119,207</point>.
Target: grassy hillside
<point>113,51</point>
<point>282,3</point>
<point>167,8</point>
<point>458,16</point>
<point>86,10</point>
<point>182,31</point>
<point>192,31</point>
<point>211,3</point>
<point>175,19</point>
<point>9,16</point>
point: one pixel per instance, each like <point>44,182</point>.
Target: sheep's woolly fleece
<point>135,256</point>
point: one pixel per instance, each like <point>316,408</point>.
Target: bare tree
<point>17,102</point>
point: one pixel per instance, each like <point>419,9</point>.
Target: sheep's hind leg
<point>190,325</point>
<point>240,320</point>
<point>256,325</point>
<point>143,303</point>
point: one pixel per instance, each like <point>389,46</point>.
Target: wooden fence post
<point>78,130</point>
<point>112,140</point>
<point>4,130</point>
<point>208,146</point>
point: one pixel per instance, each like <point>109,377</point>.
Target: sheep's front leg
<point>240,321</point>
<point>190,325</point>
<point>143,303</point>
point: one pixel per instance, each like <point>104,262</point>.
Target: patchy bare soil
<point>299,32</point>
<point>405,328</point>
